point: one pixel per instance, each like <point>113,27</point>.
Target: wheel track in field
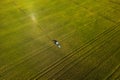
<point>102,62</point>
<point>113,72</point>
<point>99,64</point>
<point>85,55</point>
<point>86,73</point>
<point>69,55</point>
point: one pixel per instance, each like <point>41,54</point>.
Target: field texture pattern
<point>88,31</point>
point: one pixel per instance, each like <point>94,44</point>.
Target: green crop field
<point>87,30</point>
